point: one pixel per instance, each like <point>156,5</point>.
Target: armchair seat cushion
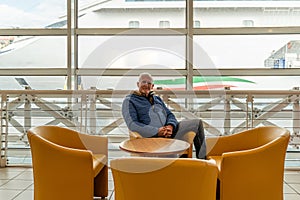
<point>99,161</point>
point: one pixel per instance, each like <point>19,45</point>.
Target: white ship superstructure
<point>50,52</point>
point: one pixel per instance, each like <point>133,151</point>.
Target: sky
<point>32,13</point>
<point>29,13</point>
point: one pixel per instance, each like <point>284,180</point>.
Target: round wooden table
<point>154,146</point>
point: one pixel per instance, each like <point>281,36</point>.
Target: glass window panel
<point>199,82</point>
<point>34,82</point>
<point>35,52</point>
<point>161,52</point>
<point>109,82</point>
<point>117,13</point>
<point>262,82</point>
<point>129,82</point>
<point>33,14</point>
<point>247,51</point>
<point>221,13</point>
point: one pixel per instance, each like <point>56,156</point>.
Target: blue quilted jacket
<point>145,115</point>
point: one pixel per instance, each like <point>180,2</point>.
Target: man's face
<point>145,85</point>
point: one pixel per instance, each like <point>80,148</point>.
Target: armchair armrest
<point>95,143</point>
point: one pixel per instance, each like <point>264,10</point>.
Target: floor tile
<point>25,195</point>
<point>8,174</point>
<point>17,184</point>
<point>296,187</point>
<point>112,196</point>
<point>292,177</point>
<point>9,194</point>
<point>292,197</point>
<point>26,175</point>
<point>3,181</point>
<point>287,189</point>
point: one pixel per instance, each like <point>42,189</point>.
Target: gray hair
<point>145,74</point>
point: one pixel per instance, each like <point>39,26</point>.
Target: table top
<point>154,146</point>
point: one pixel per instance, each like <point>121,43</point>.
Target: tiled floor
<point>16,182</point>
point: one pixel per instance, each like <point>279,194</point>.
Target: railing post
<point>296,114</point>
<point>249,114</point>
<point>4,131</point>
<point>92,114</point>
<point>296,121</point>
<point>83,114</point>
<point>227,113</point>
<point>27,114</point>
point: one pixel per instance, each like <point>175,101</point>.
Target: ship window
<point>196,24</point>
<point>164,24</point>
<point>248,23</point>
<point>134,24</point>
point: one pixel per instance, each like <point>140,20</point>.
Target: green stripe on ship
<point>178,81</point>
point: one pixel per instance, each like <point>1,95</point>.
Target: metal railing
<point>99,112</point>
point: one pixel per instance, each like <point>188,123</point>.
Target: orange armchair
<point>68,164</point>
<point>148,178</point>
<point>251,163</point>
<point>188,137</point>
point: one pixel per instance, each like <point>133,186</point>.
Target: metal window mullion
<point>247,30</point>
<point>189,44</point>
<point>189,51</point>
<point>126,31</point>
<point>34,32</point>
<point>75,58</point>
<point>69,44</point>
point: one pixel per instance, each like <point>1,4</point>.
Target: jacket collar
<point>149,97</point>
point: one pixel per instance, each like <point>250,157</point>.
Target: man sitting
<point>148,115</point>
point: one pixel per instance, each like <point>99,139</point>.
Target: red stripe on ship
<point>202,87</point>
